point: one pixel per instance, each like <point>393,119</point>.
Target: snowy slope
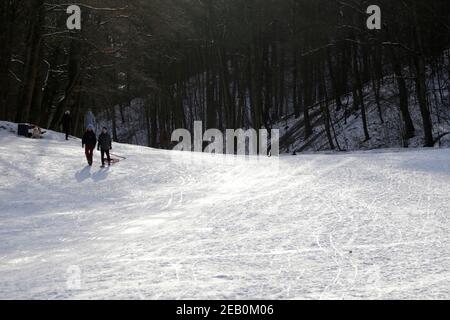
<point>192,226</point>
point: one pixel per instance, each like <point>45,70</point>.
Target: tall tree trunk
<point>307,84</point>
<point>324,103</point>
<point>7,23</point>
<point>295,99</point>
<point>421,83</point>
<point>74,63</point>
<point>409,130</point>
<point>334,81</point>
<point>32,62</point>
<point>360,91</point>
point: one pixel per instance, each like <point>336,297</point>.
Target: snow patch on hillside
<point>347,130</point>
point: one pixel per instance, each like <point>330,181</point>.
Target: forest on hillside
<point>228,63</point>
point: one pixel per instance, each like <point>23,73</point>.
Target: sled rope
<point>117,156</point>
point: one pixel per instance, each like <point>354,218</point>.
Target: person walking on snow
<point>67,123</point>
<point>104,146</point>
<point>88,142</point>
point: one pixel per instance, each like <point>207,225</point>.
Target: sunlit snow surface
<point>164,225</point>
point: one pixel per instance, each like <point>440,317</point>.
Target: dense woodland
<point>229,63</point>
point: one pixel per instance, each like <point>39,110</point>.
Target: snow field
<point>194,226</point>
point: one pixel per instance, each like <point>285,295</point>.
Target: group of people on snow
<point>103,143</point>
<point>90,141</point>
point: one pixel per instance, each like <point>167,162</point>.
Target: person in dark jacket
<point>67,124</point>
<point>104,146</point>
<point>88,142</point>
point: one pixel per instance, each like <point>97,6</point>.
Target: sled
<point>115,159</point>
<point>113,162</point>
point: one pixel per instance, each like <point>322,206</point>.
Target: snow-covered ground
<point>193,226</point>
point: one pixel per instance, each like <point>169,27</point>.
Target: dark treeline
<point>228,63</point>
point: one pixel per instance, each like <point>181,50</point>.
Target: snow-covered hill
<point>386,132</point>
<point>180,225</point>
<point>348,133</point>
